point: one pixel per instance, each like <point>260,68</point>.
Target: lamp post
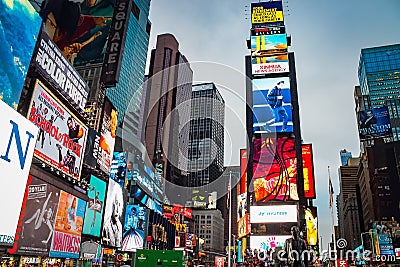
<point>362,243</point>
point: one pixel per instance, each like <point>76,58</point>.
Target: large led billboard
<point>17,143</point>
<point>62,136</point>
<point>308,171</point>
<point>68,227</point>
<point>311,225</point>
<point>19,28</point>
<point>244,226</point>
<point>37,218</point>
<point>374,123</point>
<point>265,14</point>
<point>272,105</point>
<point>134,228</point>
<point>273,214</point>
<point>59,73</point>
<point>264,243</point>
<point>274,169</point>
<point>243,171</point>
<point>95,206</point>
<point>108,133</point>
<point>269,54</point>
<point>113,215</point>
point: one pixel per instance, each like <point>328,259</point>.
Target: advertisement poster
<point>265,14</point>
<point>274,169</point>
<point>374,123</point>
<point>94,207</point>
<point>273,214</point>
<point>264,243</point>
<point>113,215</point>
<point>16,46</point>
<point>108,133</point>
<point>272,105</point>
<point>241,205</point>
<point>17,143</point>
<point>244,226</point>
<point>135,223</point>
<point>312,225</point>
<point>243,171</point>
<point>37,219</point>
<point>81,29</point>
<point>92,149</point>
<point>68,227</point>
<point>308,171</point>
<point>385,244</point>
<point>62,135</point>
<point>50,62</point>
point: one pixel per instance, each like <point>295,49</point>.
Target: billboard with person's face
<point>134,228</point>
<point>272,105</point>
<point>274,169</point>
<point>36,222</point>
<point>62,135</point>
<point>95,206</point>
<point>68,227</point>
<point>374,123</point>
<point>19,28</point>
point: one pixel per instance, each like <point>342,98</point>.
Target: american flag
<point>331,193</point>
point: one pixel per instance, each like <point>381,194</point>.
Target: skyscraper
<point>379,78</point>
<point>206,137</point>
<point>167,108</point>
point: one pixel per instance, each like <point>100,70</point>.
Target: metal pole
<point>230,219</point>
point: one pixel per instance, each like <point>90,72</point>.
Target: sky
<point>327,37</point>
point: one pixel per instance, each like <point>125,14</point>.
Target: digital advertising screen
<point>108,133</point>
<point>36,222</point>
<point>273,214</point>
<point>374,123</point>
<point>62,136</point>
<point>243,171</point>
<point>95,206</point>
<point>241,205</point>
<point>17,143</point>
<point>68,227</point>
<point>311,225</point>
<point>19,28</point>
<point>274,169</point>
<point>134,228</point>
<point>264,243</point>
<point>265,14</point>
<point>272,105</point>
<point>244,227</point>
<point>269,45</point>
<point>308,171</point>
<point>385,244</point>
<point>113,215</point>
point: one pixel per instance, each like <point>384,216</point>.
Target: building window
<point>135,10</point>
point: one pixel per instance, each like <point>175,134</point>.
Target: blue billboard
<point>374,123</point>
<point>19,28</point>
<point>385,244</point>
<point>134,228</point>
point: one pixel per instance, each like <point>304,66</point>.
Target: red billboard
<point>62,136</point>
<point>274,169</point>
<point>243,171</point>
<point>308,171</point>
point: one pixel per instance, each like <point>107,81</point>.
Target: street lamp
<point>362,243</point>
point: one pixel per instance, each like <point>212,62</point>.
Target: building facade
<point>209,226</point>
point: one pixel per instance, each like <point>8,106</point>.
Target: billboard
<point>108,133</point>
<point>243,171</point>
<point>92,149</point>
<point>268,30</point>
<point>374,123</point>
<point>269,54</point>
<point>244,227</point>
<point>62,135</point>
<point>265,14</point>
<point>385,244</point>
<point>264,243</point>
<point>19,28</point>
<point>116,43</point>
<point>241,205</point>
<point>113,215</point>
<point>311,225</point>
<point>68,227</point>
<point>118,167</point>
<point>50,62</point>
<point>17,144</point>
<point>94,207</point>
<point>134,228</point>
<point>308,171</point>
<point>273,214</point>
<point>274,169</point>
<point>37,218</point>
<point>272,105</point>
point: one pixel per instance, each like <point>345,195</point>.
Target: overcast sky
<point>327,37</point>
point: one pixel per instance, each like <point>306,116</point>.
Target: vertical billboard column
<point>17,143</point>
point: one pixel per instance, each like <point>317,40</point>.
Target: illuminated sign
<point>374,123</point>
<point>267,31</point>
<point>244,226</point>
<point>274,169</point>
<point>308,171</point>
<point>312,225</point>
<point>243,171</point>
<point>266,13</point>
<point>264,243</point>
<point>273,214</point>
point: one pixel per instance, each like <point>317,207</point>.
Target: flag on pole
<point>331,193</point>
